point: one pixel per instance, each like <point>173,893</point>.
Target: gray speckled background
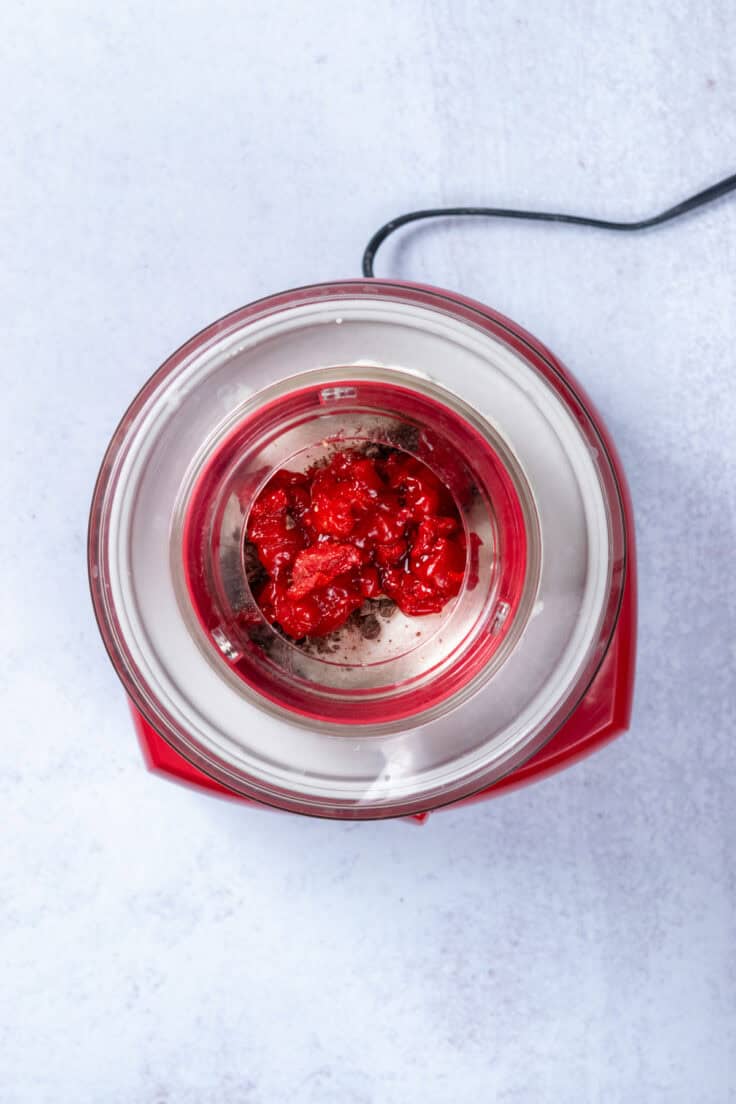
<point>571,942</point>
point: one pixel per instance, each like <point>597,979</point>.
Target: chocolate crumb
<point>405,437</point>
<point>377,450</point>
<point>386,608</point>
<point>370,628</point>
<point>255,572</point>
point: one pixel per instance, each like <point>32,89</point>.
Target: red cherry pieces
<point>356,527</point>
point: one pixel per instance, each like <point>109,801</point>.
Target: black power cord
<point>708,195</point>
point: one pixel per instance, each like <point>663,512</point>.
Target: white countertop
<point>572,942</point>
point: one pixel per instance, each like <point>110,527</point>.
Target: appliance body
<point>350,341</point>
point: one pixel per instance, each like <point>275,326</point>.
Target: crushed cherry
<point>357,527</point>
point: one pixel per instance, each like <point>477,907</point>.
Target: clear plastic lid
<point>418,711</point>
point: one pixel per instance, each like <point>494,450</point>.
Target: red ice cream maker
<point>526,670</point>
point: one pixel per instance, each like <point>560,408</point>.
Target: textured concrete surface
<point>164,163</point>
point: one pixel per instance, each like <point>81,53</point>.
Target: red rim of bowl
<point>479,646</point>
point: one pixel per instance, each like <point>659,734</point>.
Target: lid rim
<point>121,659</point>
